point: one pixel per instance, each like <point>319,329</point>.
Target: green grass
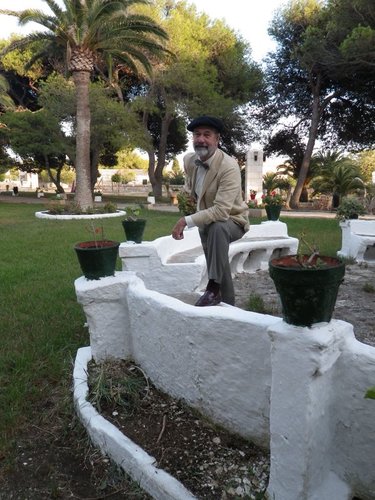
<point>41,323</point>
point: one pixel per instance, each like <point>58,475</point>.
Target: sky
<point>241,15</point>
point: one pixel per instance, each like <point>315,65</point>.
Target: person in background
<point>213,179</point>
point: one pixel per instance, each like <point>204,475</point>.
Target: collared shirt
<point>199,179</point>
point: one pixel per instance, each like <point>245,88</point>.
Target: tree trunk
<point>151,172</point>
<point>56,181</point>
<point>294,201</point>
<point>317,109</point>
<point>83,194</point>
<point>158,172</point>
<point>94,170</point>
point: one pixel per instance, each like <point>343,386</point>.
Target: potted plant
<point>350,208</point>
<point>151,198</point>
<point>255,209</point>
<point>253,194</point>
<point>98,256</point>
<point>308,285</point>
<point>98,196</point>
<point>273,203</point>
<point>133,227</point>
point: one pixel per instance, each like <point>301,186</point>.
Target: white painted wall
<point>298,390</point>
<point>154,263</point>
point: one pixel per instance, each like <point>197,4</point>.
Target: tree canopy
<point>89,33</point>
<point>312,83</point>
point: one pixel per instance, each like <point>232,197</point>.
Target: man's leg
<point>216,238</point>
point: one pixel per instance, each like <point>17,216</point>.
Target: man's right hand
<point>178,230</point>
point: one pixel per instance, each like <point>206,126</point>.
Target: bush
<point>349,208</point>
<point>186,204</point>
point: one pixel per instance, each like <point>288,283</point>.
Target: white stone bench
<point>358,240</point>
<point>167,265</point>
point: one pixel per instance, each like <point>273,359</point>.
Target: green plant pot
<point>308,295</point>
<point>134,229</point>
<point>273,212</point>
<point>97,259</point>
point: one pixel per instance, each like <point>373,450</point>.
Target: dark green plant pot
<point>97,259</point>
<point>134,229</point>
<point>273,211</point>
<point>308,295</point>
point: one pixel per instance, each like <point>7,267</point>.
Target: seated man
<point>213,179</point>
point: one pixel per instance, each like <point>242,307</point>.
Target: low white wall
<point>354,436</point>
<point>169,265</point>
<point>216,358</point>
<point>298,390</point>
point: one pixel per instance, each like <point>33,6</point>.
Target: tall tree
<point>111,127</point>
<point>38,141</point>
<point>212,73</point>
<point>88,31</point>
<point>311,83</point>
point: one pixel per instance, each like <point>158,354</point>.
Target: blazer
<point>221,198</point>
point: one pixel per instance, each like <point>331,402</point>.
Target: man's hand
<point>178,230</point>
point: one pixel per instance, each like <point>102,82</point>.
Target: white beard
<point>202,152</point>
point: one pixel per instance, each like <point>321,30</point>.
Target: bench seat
<point>167,265</point>
<point>358,240</point>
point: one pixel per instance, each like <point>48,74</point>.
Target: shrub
<point>186,204</point>
<point>349,208</point>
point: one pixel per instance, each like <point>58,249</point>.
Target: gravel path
<point>355,302</point>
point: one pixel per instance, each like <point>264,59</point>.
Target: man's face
<point>205,141</point>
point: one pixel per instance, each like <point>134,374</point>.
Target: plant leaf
<point>370,393</point>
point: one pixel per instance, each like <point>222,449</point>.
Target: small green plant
<point>349,208</point>
<point>117,384</point>
<point>256,304</point>
<point>252,204</point>
<point>56,209</point>
<point>132,213</point>
<point>72,207</point>
<point>272,198</point>
<point>370,394</point>
<point>110,208</point>
<point>368,288</point>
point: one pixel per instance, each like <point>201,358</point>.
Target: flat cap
<point>208,121</point>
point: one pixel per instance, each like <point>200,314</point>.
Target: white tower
<point>254,172</point>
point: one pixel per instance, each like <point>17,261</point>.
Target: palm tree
<point>335,174</point>
<point>90,32</point>
<point>6,102</point>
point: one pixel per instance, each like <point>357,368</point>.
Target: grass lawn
<point>41,323</point>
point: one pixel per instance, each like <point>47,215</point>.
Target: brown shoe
<point>209,299</point>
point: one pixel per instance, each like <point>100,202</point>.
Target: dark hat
<point>208,121</point>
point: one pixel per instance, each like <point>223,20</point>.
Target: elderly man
<point>213,179</point>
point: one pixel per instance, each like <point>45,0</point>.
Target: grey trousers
<point>216,238</point>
